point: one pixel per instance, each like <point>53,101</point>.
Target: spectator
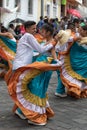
<point>11,30</point>
<point>40,23</point>
<point>18,32</point>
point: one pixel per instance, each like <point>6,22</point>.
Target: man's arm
<point>36,46</point>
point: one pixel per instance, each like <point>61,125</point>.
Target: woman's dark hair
<point>48,28</point>
<point>71,25</point>
<point>3,29</point>
<point>76,20</point>
<point>28,24</point>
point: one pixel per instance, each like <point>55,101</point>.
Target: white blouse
<point>24,54</point>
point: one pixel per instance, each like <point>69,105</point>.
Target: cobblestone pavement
<point>70,113</point>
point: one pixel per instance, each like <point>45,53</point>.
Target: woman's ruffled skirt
<point>7,54</point>
<point>74,71</point>
<point>28,88</point>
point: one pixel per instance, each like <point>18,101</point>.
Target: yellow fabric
<point>71,72</point>
<point>27,94</point>
<point>6,48</point>
<point>83,40</point>
<point>25,91</point>
<point>49,59</point>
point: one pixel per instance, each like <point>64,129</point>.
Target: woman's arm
<point>36,46</point>
<point>53,53</point>
<point>6,34</point>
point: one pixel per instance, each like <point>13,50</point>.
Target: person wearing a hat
<point>64,38</point>
<point>72,51</point>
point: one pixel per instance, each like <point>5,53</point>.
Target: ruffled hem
<point>74,86</point>
<point>72,80</point>
<point>19,87</point>
<point>36,109</point>
<point>70,71</point>
<point>35,116</point>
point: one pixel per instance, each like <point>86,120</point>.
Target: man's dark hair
<point>45,20</point>
<point>28,24</point>
<point>71,25</point>
<point>3,29</point>
<point>11,25</point>
<point>41,17</point>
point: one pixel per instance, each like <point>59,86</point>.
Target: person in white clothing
<point>27,44</point>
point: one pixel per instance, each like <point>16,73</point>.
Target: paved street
<point>70,113</point>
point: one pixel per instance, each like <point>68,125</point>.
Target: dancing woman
<point>7,50</point>
<point>73,69</point>
<point>30,101</point>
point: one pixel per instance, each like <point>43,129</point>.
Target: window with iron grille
<point>7,2</point>
<point>30,6</point>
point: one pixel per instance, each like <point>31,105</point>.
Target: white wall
<point>23,14</point>
<point>83,10</point>
<point>58,9</point>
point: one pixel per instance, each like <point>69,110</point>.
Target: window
<point>7,2</point>
<point>54,11</point>
<point>48,10</point>
<point>30,6</point>
<point>17,3</point>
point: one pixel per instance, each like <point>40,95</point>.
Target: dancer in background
<point>60,89</point>
<point>73,68</point>
<point>7,50</point>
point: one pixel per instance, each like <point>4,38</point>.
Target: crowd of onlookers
<point>18,30</point>
<point>62,24</point>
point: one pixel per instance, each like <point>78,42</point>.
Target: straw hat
<point>63,36</point>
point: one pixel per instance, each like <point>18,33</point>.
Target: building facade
<point>33,9</point>
<point>29,10</point>
<point>83,8</point>
<point>52,8</point>
<point>19,9</point>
